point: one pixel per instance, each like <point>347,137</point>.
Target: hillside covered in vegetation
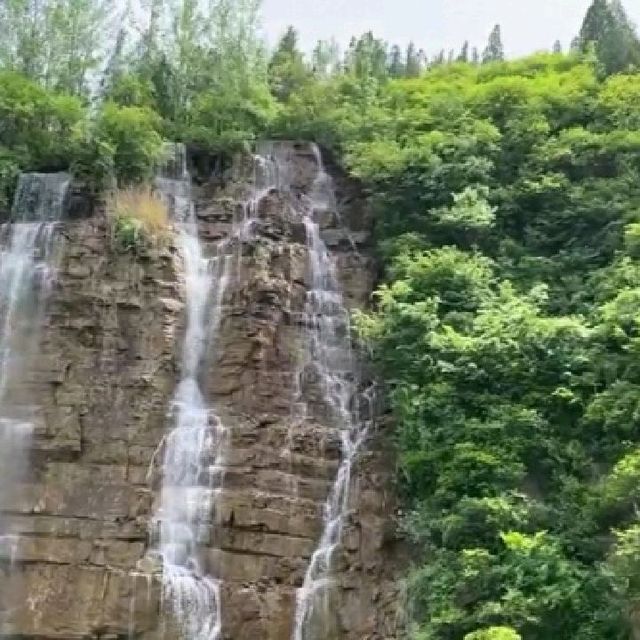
<point>507,326</point>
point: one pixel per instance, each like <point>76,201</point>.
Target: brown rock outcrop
<point>102,382</point>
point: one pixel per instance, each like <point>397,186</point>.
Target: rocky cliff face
<point>101,382</point>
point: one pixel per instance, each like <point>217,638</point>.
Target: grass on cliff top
<point>137,214</point>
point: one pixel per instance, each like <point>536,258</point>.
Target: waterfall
<point>26,272</point>
<point>330,365</point>
<point>174,183</point>
<point>195,449</point>
<point>184,513</point>
<point>40,197</point>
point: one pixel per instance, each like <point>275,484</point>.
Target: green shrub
<point>132,134</point>
<point>128,232</point>
<point>224,121</point>
<point>37,125</point>
<point>95,162</point>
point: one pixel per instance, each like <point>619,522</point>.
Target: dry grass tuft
<point>138,213</point>
<point>142,204</point>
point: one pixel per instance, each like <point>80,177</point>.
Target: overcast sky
<point>527,25</point>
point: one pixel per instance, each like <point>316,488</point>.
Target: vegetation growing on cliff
<point>508,325</point>
<point>137,216</point>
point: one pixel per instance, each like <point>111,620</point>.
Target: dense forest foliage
<point>508,200</point>
<point>507,196</point>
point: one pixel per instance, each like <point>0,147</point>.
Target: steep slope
<point>109,362</point>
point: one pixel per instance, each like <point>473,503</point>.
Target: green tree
<point>494,51</point>
<point>287,69</point>
<point>325,59</point>
<point>77,34</point>
<point>397,67</point>
<point>23,34</point>
<point>607,28</point>
<point>464,52</point>
<point>38,126</point>
<point>203,69</point>
<point>412,65</point>
<point>439,59</point>
<point>131,135</point>
<point>506,328</point>
<point>367,57</point>
<point>59,43</point>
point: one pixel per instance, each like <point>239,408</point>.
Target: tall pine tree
<point>367,57</point>
<point>413,68</point>
<point>607,28</point>
<point>287,69</point>
<point>464,52</point>
<point>325,58</point>
<point>494,51</point>
<point>396,62</point>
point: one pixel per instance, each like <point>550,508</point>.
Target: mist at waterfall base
<point>27,267</point>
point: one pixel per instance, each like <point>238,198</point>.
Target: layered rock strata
<point>106,370</point>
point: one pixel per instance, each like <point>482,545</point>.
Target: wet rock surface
<point>103,380</point>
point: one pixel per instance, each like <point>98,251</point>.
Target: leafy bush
<point>38,126</point>
<point>227,120</point>
<point>132,134</point>
<point>130,90</point>
<point>625,562</point>
<point>48,131</point>
<point>95,163</point>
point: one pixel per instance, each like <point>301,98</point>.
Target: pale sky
<point>527,25</point>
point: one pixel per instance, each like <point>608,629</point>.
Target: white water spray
<point>26,273</point>
<point>195,449</point>
<point>191,449</point>
<point>330,365</point>
<point>40,197</point>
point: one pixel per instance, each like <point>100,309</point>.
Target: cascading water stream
<point>193,445</point>
<point>40,197</point>
<point>26,272</point>
<point>331,366</point>
<point>21,275</point>
<point>195,449</point>
<point>173,182</point>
